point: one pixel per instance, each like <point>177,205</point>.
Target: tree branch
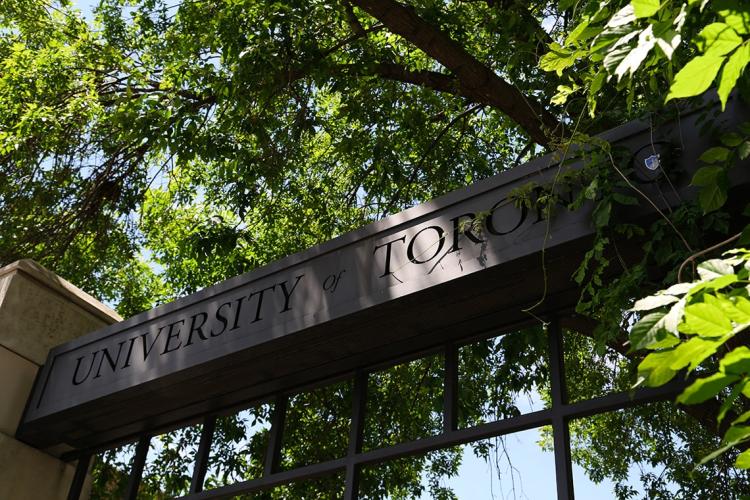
<point>476,79</point>
<point>430,79</point>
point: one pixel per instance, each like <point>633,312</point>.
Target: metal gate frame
<point>557,416</point>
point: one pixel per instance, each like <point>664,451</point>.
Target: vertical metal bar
<point>139,461</point>
<point>563,464</point>
<point>273,452</point>
<point>560,431</point>
<point>84,461</point>
<point>201,457</point>
<point>557,365</point>
<point>359,402</point>
<point>450,389</point>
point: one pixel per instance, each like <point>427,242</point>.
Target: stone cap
<point>39,310</point>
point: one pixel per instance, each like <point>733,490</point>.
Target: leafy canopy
<point>160,147</point>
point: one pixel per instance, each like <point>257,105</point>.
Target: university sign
<point>241,313</point>
<point>373,266</point>
<point>365,296</point>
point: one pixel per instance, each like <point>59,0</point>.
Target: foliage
<point>652,453</point>
<point>701,327</point>
<point>156,148</point>
<point>642,43</point>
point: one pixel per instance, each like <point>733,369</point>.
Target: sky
<point>523,471</point>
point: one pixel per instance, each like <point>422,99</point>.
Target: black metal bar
<point>453,438</point>
<point>139,461</point>
<point>461,436</point>
<point>557,364</point>
<point>279,478</point>
<point>622,400</point>
<point>563,463</point>
<point>515,424</point>
<point>273,452</point>
<point>450,389</point>
<point>359,402</point>
<point>201,456</point>
<point>84,462</point>
<point>560,431</point>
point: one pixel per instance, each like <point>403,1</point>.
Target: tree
<point>208,138</point>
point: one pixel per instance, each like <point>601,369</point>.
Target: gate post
<point>38,310</point>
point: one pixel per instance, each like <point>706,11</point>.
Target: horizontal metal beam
<point>621,400</point>
<point>276,479</point>
<point>453,438</point>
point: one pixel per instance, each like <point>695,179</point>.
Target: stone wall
<point>38,310</point>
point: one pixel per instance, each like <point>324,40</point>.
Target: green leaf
<point>646,331</point>
<point>668,42</point>
<point>736,16</point>
<point>742,304</point>
<point>725,304</point>
<point>712,155</point>
<point>566,4</point>
<point>693,352</point>
<point>736,434</point>
<point>705,320</point>
<point>635,57</point>
<point>582,32</point>
<point>705,388</point>
<point>713,180</point>
<point>743,460</point>
<point>713,197</point>
<point>713,269</point>
<point>743,151</point>
<point>718,282</point>
<point>624,199</point>
<point>563,91</point>
<point>654,370</point>
<point>741,418</point>
<point>591,190</point>
<point>558,58</point>
<point>679,289</point>
<point>731,139</point>
<point>714,183</point>
<point>729,400</point>
<point>664,340</point>
<point>645,8</point>
<point>731,73</point>
<point>653,301</point>
<point>695,77</point>
<point>736,361</point>
<point>597,82</point>
<point>601,214</point>
<point>717,39</point>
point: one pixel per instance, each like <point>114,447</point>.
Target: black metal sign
<point>414,250</point>
<point>316,307</point>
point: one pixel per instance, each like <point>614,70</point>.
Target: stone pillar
<point>38,310</point>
